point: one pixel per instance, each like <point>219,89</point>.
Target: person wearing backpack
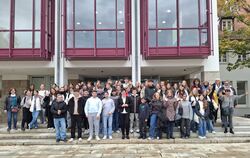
<point>25,104</point>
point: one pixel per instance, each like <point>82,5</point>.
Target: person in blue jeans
<point>12,106</point>
<point>202,111</point>
<point>59,111</point>
<point>156,104</point>
<point>35,108</point>
<point>108,108</point>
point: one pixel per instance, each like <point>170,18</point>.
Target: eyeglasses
<point>227,91</point>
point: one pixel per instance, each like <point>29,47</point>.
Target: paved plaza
<point>241,150</point>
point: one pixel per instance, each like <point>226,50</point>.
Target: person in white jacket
<point>93,109</point>
<point>35,108</point>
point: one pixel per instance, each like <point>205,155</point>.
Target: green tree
<point>237,41</point>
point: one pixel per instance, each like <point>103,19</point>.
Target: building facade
<point>61,41</point>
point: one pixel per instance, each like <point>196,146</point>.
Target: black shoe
<point>144,137</point>
<point>168,137</point>
<point>127,137</point>
<point>123,136</point>
<point>225,131</point>
<point>8,129</point>
<point>172,137</point>
<point>58,140</point>
<point>182,137</point>
<point>23,129</point>
<point>65,140</point>
<point>140,137</point>
<point>231,131</point>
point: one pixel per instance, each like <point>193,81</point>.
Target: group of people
<point>149,107</point>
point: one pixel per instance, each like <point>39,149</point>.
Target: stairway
<point>44,136</point>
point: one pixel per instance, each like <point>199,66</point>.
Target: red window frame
<point>178,51</point>
<point>99,53</point>
<point>29,53</point>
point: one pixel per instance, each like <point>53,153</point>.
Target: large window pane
<point>23,14</point>
<point>120,14</point>
<point>121,39</point>
<point>105,14</point>
<point>241,89</point>
<point>203,7</point>
<point>84,14</point>
<point>152,13</point>
<point>23,39</point>
<point>188,13</point>
<point>37,14</point>
<point>204,39</point>
<point>152,38</point>
<point>4,14</point>
<point>167,38</point>
<point>37,39</point>
<point>106,39</point>
<point>70,14</point>
<point>84,39</point>
<point>189,38</point>
<point>167,14</point>
<point>70,39</point>
<point>4,39</point>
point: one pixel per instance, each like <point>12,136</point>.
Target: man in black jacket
<point>75,106</point>
<point>59,110</point>
<point>149,90</point>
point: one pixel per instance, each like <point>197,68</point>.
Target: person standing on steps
<point>12,106</point>
<point>143,115</point>
<point>59,111</point>
<point>93,109</point>
<point>227,108</point>
<point>124,104</point>
<point>135,102</point>
<point>26,103</point>
<point>75,107</point>
<point>35,108</point>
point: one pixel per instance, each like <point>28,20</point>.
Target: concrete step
<point>26,135</point>
<point>29,142</point>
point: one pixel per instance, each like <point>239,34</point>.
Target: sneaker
<point>149,138</point>
<point>131,131</point>
<point>29,126</point>
<point>204,137</point>
<point>65,140</point>
<point>89,139</point>
<point>213,132</point>
<point>117,131</point>
<point>58,140</point>
<point>80,139</point>
<point>97,138</point>
<point>23,129</point>
<point>86,132</point>
<point>15,128</point>
<point>105,137</point>
<point>200,137</point>
<point>71,140</point>
<point>8,129</point>
<point>137,131</point>
<point>158,138</point>
<point>110,137</point>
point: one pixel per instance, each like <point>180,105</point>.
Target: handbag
<point>15,109</point>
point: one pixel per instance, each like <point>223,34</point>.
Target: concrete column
<point>136,55</point>
<point>59,72</point>
<point>211,69</point>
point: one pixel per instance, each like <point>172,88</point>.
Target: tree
<point>237,41</point>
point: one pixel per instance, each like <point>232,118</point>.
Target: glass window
<point>84,39</point>
<point>84,14</point>
<point>106,39</point>
<point>188,13</point>
<point>152,13</point>
<point>105,14</point>
<point>70,39</point>
<point>167,38</point>
<point>37,39</point>
<point>23,40</point>
<point>37,14</point>
<point>189,37</point>
<point>227,24</point>
<point>152,38</point>
<point>120,39</point>
<point>120,14</point>
<point>241,89</point>
<point>223,58</point>
<point>203,12</point>
<point>70,14</point>
<point>166,14</point>
<point>204,39</point>
<point>4,39</point>
<point>4,15</point>
<point>23,14</point>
